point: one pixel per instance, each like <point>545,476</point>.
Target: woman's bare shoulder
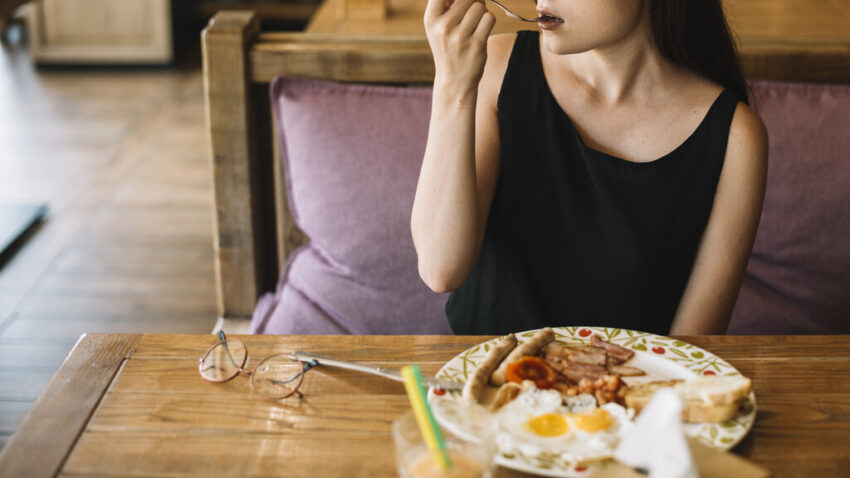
<point>746,122</point>
<point>748,141</point>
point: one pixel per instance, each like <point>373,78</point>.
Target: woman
<point>604,171</point>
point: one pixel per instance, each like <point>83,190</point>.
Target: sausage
<point>474,385</point>
<point>529,347</point>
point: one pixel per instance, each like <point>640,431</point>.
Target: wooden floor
<point>120,159</point>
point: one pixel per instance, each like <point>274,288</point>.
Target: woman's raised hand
<point>458,38</point>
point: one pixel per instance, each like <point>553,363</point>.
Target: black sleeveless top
<point>576,236</point>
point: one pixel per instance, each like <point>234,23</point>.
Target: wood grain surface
<point>42,441</point>
<point>120,158</point>
<point>160,418</point>
<point>791,40</point>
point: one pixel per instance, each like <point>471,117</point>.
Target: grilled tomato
<point>534,369</point>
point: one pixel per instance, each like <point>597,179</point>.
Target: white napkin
<point>657,442</point>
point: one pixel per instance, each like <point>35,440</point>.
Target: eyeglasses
<point>276,376</point>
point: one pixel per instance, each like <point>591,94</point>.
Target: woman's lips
<point>547,21</point>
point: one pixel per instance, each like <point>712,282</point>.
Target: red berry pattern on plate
<point>658,350</point>
<point>709,372</point>
<point>584,333</point>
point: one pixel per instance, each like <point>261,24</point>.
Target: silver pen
<point>386,372</point>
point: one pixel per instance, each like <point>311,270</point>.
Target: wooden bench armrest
<point>241,219</point>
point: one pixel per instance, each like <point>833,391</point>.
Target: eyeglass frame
<point>240,370</point>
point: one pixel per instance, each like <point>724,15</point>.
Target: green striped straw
<point>431,432</point>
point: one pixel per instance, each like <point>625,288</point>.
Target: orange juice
<point>464,466</point>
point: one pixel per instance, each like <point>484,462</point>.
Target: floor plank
<point>120,159</point>
<point>24,330</point>
<point>33,356</point>
<point>11,414</point>
<point>17,385</point>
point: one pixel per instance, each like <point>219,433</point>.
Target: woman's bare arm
<point>460,166</point>
<point>721,259</point>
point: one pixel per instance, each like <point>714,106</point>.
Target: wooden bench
<point>254,231</point>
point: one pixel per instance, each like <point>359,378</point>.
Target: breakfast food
<point>571,370</point>
<point>529,347</point>
<point>537,421</point>
<point>474,386</point>
<point>534,369</point>
<point>541,425</point>
<point>609,388</point>
<point>705,399</point>
<point>620,354</point>
<point>591,376</point>
<point>592,362</point>
<point>714,390</point>
<point>506,393</point>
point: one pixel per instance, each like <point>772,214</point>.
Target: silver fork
<point>514,15</point>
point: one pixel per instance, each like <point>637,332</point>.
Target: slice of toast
<point>638,395</point>
<point>704,401</point>
<point>699,412</point>
<point>715,390</point>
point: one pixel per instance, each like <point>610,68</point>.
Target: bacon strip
<point>577,371</point>
<point>585,354</point>
<point>625,370</point>
<point>616,352</point>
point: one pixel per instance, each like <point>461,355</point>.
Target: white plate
<point>660,357</point>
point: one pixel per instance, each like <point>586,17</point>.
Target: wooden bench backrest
<point>254,232</point>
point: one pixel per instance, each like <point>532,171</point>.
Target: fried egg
<point>537,421</point>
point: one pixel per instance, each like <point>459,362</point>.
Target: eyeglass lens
<point>277,376</point>
<point>224,360</point>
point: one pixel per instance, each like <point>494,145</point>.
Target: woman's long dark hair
<point>694,34</point>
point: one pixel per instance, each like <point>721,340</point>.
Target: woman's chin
<point>555,41</point>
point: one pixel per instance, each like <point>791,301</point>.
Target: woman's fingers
<point>455,14</point>
<point>433,9</point>
<point>471,19</point>
<point>485,26</point>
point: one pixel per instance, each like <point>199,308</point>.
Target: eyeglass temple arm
<point>307,366</point>
<point>389,373</point>
<point>223,339</point>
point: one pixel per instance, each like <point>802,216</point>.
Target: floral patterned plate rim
<point>665,356</point>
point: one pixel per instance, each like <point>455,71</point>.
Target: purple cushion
<point>798,277</point>
<point>351,154</point>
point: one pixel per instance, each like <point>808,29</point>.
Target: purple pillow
<point>351,154</point>
<point>798,276</point>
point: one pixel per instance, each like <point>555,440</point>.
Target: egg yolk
<point>594,420</point>
<point>548,425</point>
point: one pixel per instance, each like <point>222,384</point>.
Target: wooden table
<point>793,40</point>
<point>133,405</point>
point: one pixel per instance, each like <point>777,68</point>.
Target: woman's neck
<point>613,74</point>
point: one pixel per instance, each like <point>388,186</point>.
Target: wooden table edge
<point>60,414</point>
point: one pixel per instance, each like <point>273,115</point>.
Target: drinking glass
<point>470,443</point>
